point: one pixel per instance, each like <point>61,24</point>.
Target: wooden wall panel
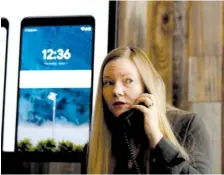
<point>149,25</point>
<point>222,90</point>
<point>205,30</point>
<point>132,24</point>
<point>122,24</point>
<point>195,29</point>
<point>180,61</point>
<point>205,78</point>
<point>160,39</point>
<point>204,51</point>
<point>212,28</point>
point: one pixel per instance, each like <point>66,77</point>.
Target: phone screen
<point>3,59</point>
<point>55,84</point>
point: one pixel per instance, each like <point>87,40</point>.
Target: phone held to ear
<point>133,123</point>
<point>133,118</point>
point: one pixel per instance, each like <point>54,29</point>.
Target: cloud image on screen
<point>56,48</point>
<point>58,117</point>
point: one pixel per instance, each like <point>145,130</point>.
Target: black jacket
<point>192,134</point>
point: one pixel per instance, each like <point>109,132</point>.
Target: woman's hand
<point>151,117</point>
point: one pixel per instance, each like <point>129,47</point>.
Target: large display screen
<point>54,55</point>
<point>55,80</point>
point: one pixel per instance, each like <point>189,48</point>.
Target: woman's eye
<point>107,83</point>
<point>128,80</point>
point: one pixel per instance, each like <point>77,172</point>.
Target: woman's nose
<point>118,89</point>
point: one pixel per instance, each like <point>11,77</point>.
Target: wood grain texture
<point>180,59</point>
<point>132,24</point>
<point>212,28</point>
<point>205,28</point>
<point>205,79</point>
<point>194,28</point>
<point>122,23</point>
<point>222,90</point>
<point>189,18</point>
<point>149,25</point>
<point>160,40</point>
<point>204,51</point>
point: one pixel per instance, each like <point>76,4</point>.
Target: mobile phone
<point>3,62</point>
<point>54,102</point>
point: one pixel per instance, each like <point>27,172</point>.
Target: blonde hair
<point>100,159</point>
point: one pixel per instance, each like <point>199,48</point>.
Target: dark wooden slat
<point>180,68</point>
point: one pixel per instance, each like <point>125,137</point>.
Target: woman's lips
<point>118,105</point>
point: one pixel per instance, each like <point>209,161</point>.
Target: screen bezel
<point>5,24</point>
<point>54,21</point>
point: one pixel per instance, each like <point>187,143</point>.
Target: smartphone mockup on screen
<point>3,60</point>
<point>54,103</point>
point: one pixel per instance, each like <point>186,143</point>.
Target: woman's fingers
<point>149,96</point>
<point>141,108</point>
<point>147,99</point>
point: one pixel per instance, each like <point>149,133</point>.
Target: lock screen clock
<point>64,47</point>
<point>59,54</point>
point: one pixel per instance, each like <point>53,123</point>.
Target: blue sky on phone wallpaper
<point>71,116</point>
<point>75,45</point>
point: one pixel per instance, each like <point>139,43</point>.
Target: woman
<point>167,141</point>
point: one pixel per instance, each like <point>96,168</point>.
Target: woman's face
<point>122,85</point>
